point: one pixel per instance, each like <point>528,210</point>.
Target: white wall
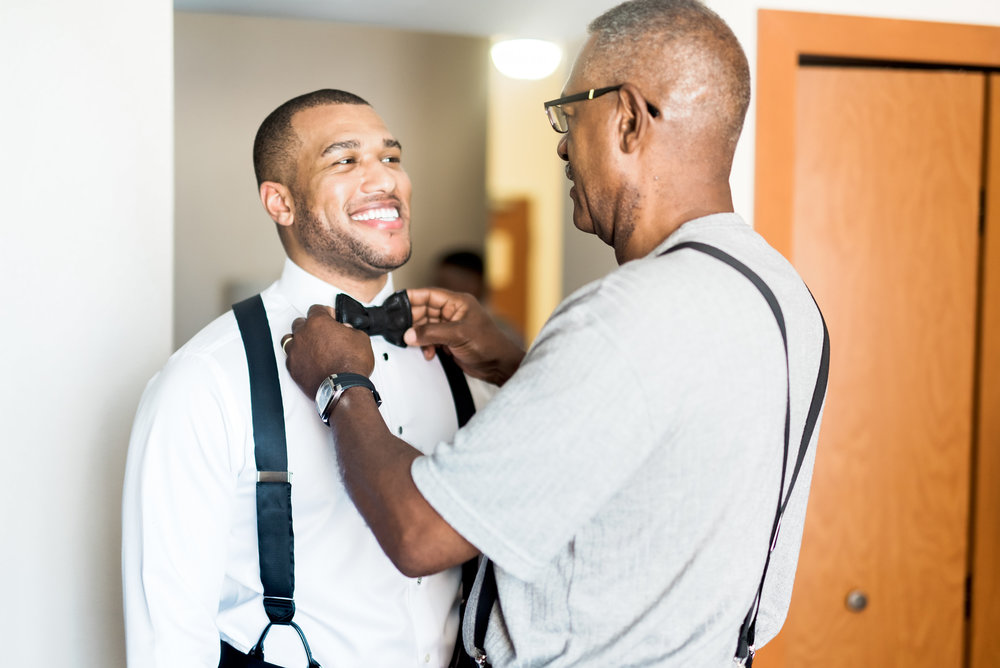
<point>231,71</point>
<point>85,264</point>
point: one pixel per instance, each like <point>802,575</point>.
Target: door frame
<point>782,37</point>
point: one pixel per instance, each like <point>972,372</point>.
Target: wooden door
<point>886,233</point>
<point>507,249</point>
<point>885,538</point>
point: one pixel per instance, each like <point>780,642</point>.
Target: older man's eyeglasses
<point>557,117</point>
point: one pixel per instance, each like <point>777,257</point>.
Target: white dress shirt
<point>189,533</point>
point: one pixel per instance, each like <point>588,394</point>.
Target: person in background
<point>463,271</point>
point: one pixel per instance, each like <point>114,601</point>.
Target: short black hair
<point>464,259</point>
<point>276,142</point>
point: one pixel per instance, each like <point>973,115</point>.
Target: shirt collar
<point>302,289</point>
<point>692,227</point>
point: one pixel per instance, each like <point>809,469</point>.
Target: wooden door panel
<point>985,639</point>
<point>507,249</point>
<point>887,177</point>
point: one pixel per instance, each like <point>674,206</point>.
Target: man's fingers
<point>437,305</point>
<point>297,324</point>
<point>432,298</point>
<point>317,310</point>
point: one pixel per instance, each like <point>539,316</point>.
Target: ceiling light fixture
<point>526,58</point>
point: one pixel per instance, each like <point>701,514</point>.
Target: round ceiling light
<point>526,58</point>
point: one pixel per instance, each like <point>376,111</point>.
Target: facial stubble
<point>340,251</point>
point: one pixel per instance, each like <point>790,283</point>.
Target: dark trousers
<point>233,658</point>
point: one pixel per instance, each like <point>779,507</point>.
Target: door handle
<point>856,600</point>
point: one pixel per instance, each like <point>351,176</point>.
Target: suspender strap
<point>487,597</point>
<point>275,540</point>
<point>274,492</point>
<point>465,408</point>
<point>745,642</point>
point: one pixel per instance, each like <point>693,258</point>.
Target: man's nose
<point>378,177</point>
<point>561,148</point>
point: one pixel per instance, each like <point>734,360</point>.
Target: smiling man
<point>330,176</point>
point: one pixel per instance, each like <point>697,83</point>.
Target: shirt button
<point>385,356</point>
<point>400,429</point>
<point>420,581</point>
<point>427,658</point>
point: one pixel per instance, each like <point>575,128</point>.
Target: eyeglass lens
<point>557,118</point>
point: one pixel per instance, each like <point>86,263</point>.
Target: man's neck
<point>645,239</point>
<point>362,289</point>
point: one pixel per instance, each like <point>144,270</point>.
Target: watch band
<point>334,386</point>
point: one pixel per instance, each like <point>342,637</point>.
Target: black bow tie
<point>390,320</point>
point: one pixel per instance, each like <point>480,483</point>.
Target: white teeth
<point>379,214</point>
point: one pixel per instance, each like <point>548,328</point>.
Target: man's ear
<point>277,200</point>
<point>634,119</point>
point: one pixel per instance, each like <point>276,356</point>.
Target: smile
<point>384,214</point>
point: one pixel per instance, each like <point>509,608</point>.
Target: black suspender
<point>745,642</point>
<point>464,409</point>
<point>275,540</point>
<point>460,394</point>
<point>745,645</point>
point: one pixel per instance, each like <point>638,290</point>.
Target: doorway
<point>878,176</point>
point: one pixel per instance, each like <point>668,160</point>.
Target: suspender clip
<point>274,476</point>
<point>746,660</point>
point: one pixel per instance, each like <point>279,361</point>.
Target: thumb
<point>434,334</point>
<point>410,339</point>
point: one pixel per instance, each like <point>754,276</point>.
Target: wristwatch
<point>332,387</point>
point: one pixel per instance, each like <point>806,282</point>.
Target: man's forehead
<point>582,68</point>
<point>341,123</point>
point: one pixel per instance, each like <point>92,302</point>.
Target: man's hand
<point>319,346</point>
<point>412,534</point>
<point>460,323</point>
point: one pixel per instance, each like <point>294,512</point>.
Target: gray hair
<point>682,43</point>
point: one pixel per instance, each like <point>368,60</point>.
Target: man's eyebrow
<point>346,145</point>
<point>354,145</point>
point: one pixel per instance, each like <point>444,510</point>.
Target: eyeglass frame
<point>578,97</point>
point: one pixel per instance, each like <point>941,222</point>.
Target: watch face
<point>324,394</point>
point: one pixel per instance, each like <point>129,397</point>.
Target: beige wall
<point>522,163</point>
<point>231,71</point>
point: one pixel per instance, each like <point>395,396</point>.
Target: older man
<point>624,481</point>
<point>330,176</point>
